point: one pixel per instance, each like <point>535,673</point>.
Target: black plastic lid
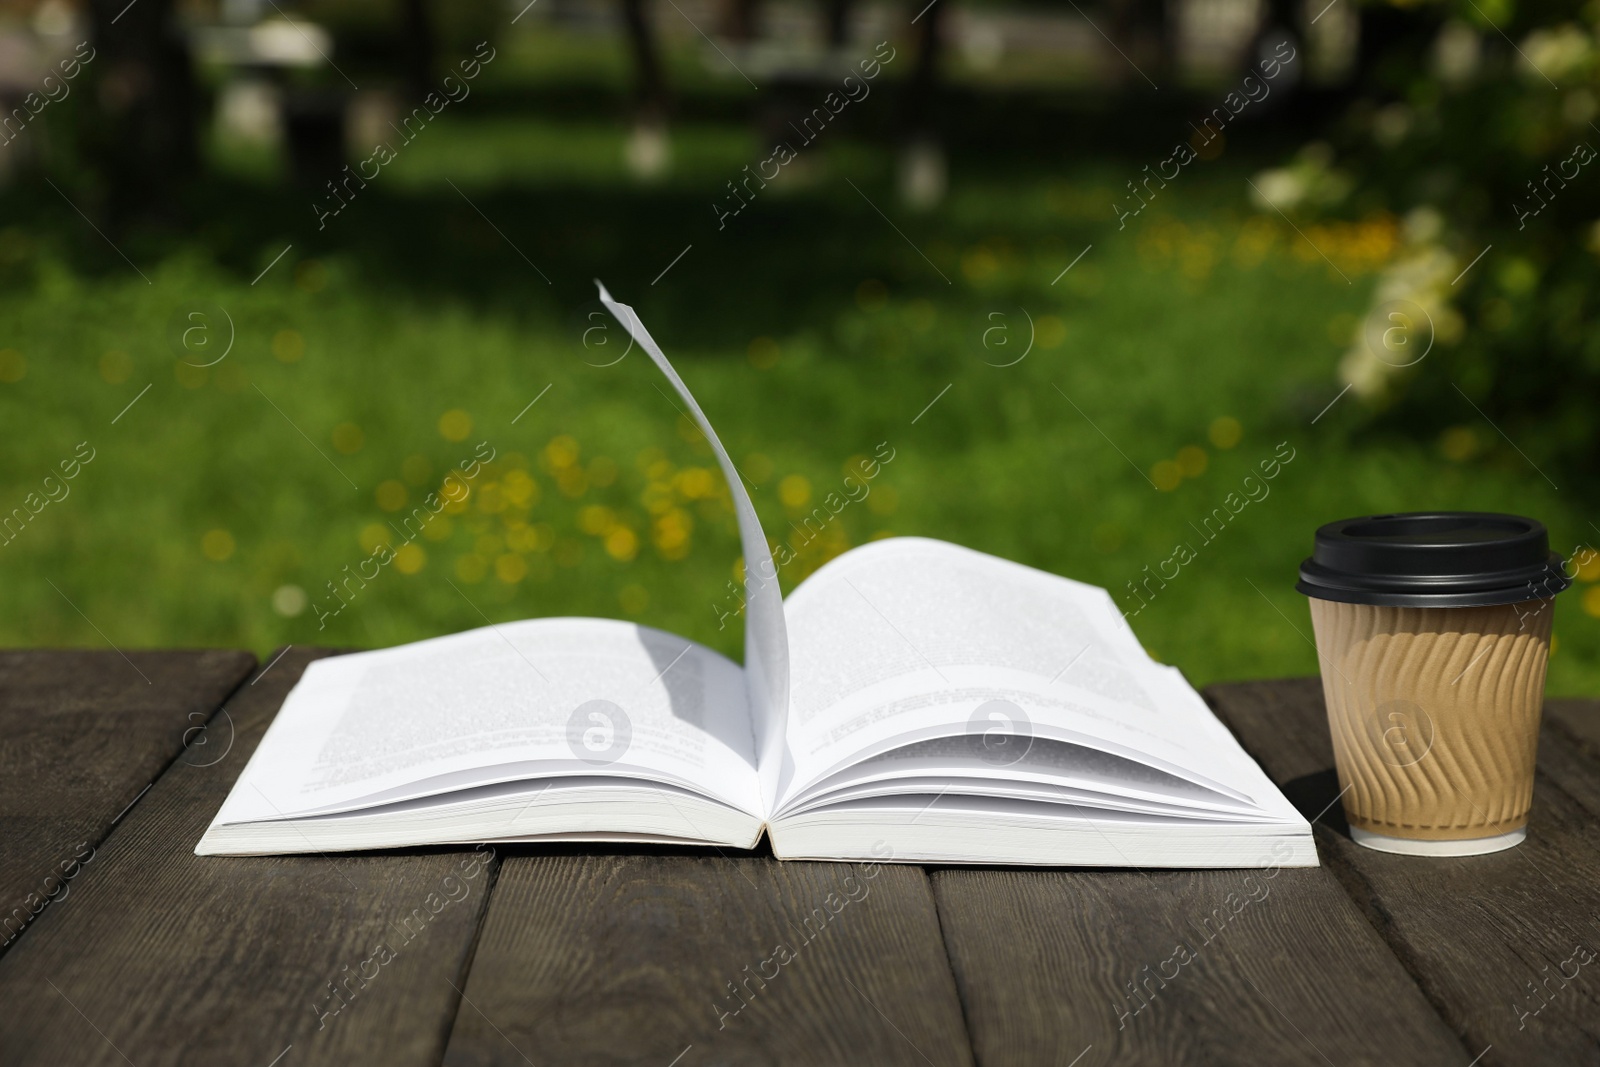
<point>1433,559</point>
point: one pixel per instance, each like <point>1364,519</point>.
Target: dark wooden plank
<point>1569,749</point>
<point>1577,720</point>
<point>82,733</point>
<point>1166,967</point>
<point>165,957</point>
<point>612,959</point>
<point>1486,937</point>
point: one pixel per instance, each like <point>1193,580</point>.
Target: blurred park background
<point>1077,269</point>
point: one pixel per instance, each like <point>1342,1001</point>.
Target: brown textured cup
<point>1433,632</point>
<point>1434,713</point>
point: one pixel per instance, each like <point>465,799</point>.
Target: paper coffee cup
<point>1433,634</point>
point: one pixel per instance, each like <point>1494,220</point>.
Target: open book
<point>910,701</point>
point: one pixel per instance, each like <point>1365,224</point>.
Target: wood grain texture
<point>1167,967</point>
<point>1577,720</point>
<point>1569,749</point>
<point>1486,937</point>
<point>82,733</point>
<point>165,957</point>
<point>623,959</point>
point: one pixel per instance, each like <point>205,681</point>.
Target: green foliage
<point>1479,128</point>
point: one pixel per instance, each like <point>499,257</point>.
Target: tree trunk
<point>417,47</point>
<point>650,85</point>
<point>143,137</point>
<point>741,20</point>
<point>1140,29</point>
<point>922,89</point>
<point>922,166</point>
<point>837,17</point>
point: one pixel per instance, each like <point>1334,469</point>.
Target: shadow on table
<point>1316,797</point>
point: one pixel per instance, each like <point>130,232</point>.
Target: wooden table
<point>125,948</point>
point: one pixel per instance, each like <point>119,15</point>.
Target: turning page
<point>766,639</point>
<point>573,726</point>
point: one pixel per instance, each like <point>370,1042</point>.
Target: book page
<point>906,639</point>
<point>766,642</point>
<point>964,763</point>
<point>542,698</point>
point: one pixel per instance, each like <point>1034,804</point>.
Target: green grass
<point>410,306</point>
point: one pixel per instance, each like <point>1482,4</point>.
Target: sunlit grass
<point>231,504</point>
